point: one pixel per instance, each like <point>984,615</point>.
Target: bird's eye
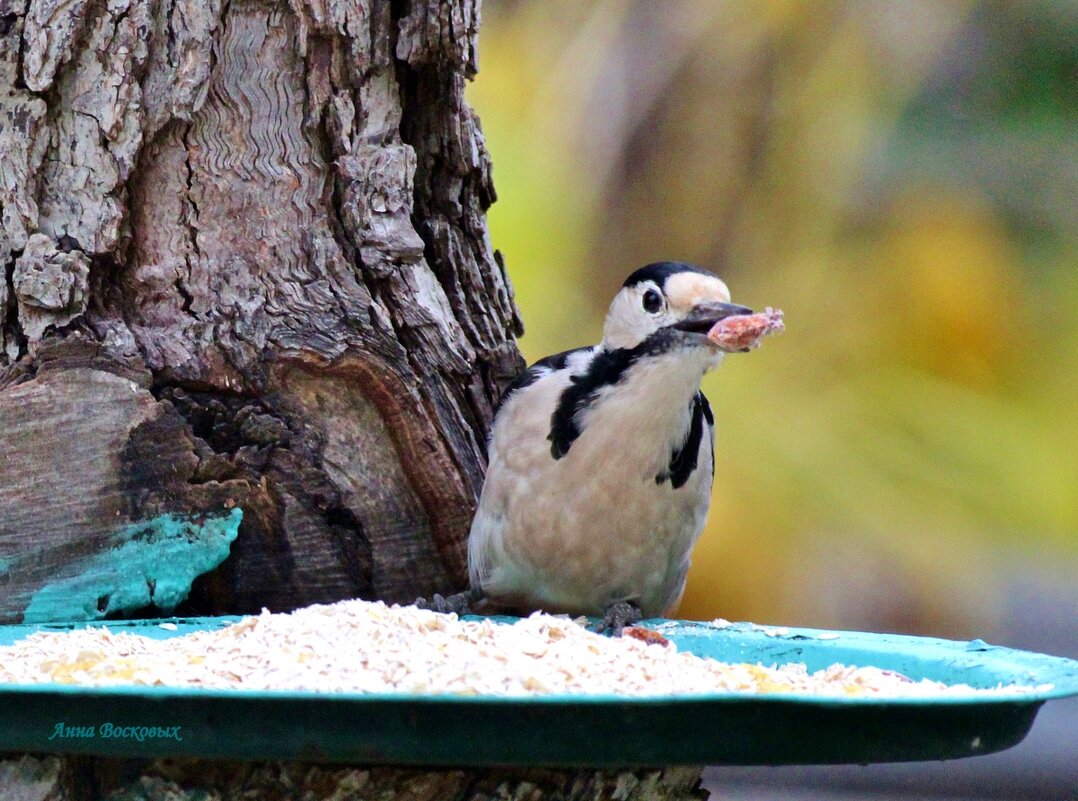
<point>653,301</point>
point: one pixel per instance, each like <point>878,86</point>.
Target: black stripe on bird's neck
<point>683,459</point>
<point>607,368</point>
<point>559,361</point>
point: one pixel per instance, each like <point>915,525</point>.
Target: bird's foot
<point>459,603</point>
<point>618,615</point>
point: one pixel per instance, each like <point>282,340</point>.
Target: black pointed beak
<point>705,315</point>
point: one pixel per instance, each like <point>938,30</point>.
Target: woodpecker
<point>601,461</point>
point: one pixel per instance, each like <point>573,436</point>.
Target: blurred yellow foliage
<point>922,408</point>
<point>950,282</point>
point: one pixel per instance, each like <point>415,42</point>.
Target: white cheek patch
<point>627,323</point>
<point>626,313</point>
<point>685,290</point>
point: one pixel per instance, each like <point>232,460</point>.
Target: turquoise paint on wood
<point>152,562</point>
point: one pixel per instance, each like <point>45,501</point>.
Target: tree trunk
<point>251,330</point>
<point>76,778</point>
<point>246,272</point>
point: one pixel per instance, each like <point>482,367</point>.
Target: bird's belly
<point>579,533</point>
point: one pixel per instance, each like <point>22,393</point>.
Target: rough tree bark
<point>245,266</point>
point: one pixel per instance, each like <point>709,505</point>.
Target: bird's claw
<point>619,615</point>
<point>459,603</point>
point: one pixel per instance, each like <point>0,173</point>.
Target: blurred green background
<point>901,180</point>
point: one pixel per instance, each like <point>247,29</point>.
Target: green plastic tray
<point>607,730</point>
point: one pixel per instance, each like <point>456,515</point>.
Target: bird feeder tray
<point>566,730</point>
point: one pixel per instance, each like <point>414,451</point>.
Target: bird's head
<point>669,303</point>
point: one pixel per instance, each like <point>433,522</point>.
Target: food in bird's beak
<point>744,331</point>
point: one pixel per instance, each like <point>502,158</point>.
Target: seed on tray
<point>365,647</point>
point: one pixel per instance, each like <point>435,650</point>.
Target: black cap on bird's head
<point>680,301</point>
